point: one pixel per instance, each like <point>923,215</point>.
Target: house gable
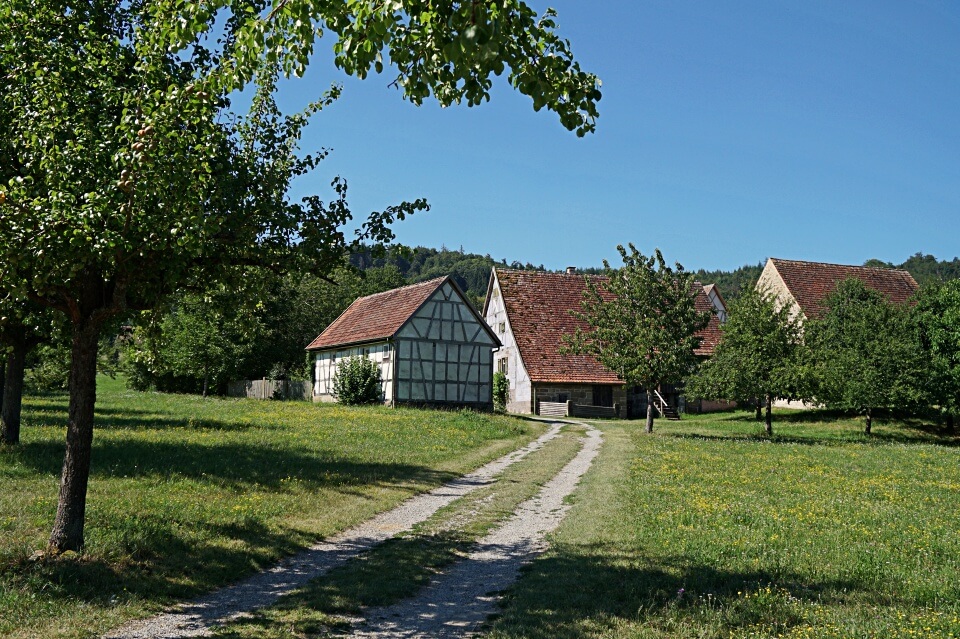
<point>444,352</point>
<point>447,315</point>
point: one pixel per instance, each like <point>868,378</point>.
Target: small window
<point>496,293</point>
<point>502,327</point>
<point>503,365</point>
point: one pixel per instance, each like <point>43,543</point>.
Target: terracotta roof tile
<point>538,308</point>
<point>811,282</point>
<point>376,317</point>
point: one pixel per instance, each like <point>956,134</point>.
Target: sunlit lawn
<point>188,493</point>
<point>708,529</point>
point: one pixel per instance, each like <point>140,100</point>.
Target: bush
<point>358,381</point>
<point>501,391</point>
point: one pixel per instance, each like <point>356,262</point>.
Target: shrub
<point>501,391</point>
<point>358,381</point>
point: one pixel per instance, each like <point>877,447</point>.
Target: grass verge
<point>188,494</point>
<point>708,529</point>
<point>400,567</point>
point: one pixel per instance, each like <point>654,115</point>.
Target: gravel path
<point>456,603</point>
<point>195,619</point>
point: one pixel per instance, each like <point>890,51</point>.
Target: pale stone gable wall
<point>521,394</point>
<point>771,282</point>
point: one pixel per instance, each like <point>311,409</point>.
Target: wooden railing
<point>663,406</point>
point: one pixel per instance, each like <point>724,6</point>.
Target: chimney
<point>571,270</point>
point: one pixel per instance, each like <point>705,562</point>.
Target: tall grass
<point>190,493</point>
<point>708,529</point>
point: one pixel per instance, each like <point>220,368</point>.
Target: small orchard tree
<point>936,319</point>
<point>863,355</point>
<point>642,323</point>
<point>756,355</point>
<point>358,381</point>
<point>125,177</point>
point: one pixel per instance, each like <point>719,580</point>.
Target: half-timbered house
<point>431,345</point>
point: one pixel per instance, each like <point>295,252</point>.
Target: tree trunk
<point>13,393</point>
<point>67,531</point>
<point>649,410</point>
<point>759,409</point>
<point>3,378</point>
<point>869,421</point>
<point>769,418</point>
<point>206,380</point>
<point>950,422</point>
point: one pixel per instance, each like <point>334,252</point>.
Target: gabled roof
<point>538,309</point>
<point>811,282</point>
<point>376,317</point>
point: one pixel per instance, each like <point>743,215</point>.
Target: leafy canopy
<point>643,321</point>
<point>863,354</point>
<point>936,318</point>
<point>756,352</point>
<point>448,50</point>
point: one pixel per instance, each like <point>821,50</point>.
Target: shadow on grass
<point>847,429</point>
<point>599,587</point>
<point>229,463</point>
<point>161,565</point>
<point>107,418</point>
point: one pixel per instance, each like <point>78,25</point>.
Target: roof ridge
<point>402,288</point>
<point>868,268</point>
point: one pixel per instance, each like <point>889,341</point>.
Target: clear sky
<point>728,132</point>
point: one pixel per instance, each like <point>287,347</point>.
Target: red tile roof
<point>538,308</point>
<point>811,282</point>
<point>376,317</point>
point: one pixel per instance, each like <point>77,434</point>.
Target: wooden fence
<point>270,389</point>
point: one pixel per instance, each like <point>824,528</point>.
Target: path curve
<point>456,603</point>
<point>195,619</point>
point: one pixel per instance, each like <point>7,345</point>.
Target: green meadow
<point>188,494</point>
<point>707,528</point>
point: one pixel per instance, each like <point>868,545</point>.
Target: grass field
<point>189,493</point>
<point>709,529</point>
<point>704,529</point>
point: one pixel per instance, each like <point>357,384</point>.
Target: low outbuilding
<point>432,346</point>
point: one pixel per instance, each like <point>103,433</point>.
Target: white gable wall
<point>521,393</point>
<point>326,363</point>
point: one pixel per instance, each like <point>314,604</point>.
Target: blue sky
<point>728,132</point>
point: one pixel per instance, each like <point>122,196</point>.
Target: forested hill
<point>924,268</point>
<point>472,271</point>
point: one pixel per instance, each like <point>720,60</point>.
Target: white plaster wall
<point>770,282</point>
<point>521,390</point>
<point>326,362</point>
<point>718,306</point>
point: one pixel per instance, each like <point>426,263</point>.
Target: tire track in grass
<point>195,619</point>
<point>456,603</point>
